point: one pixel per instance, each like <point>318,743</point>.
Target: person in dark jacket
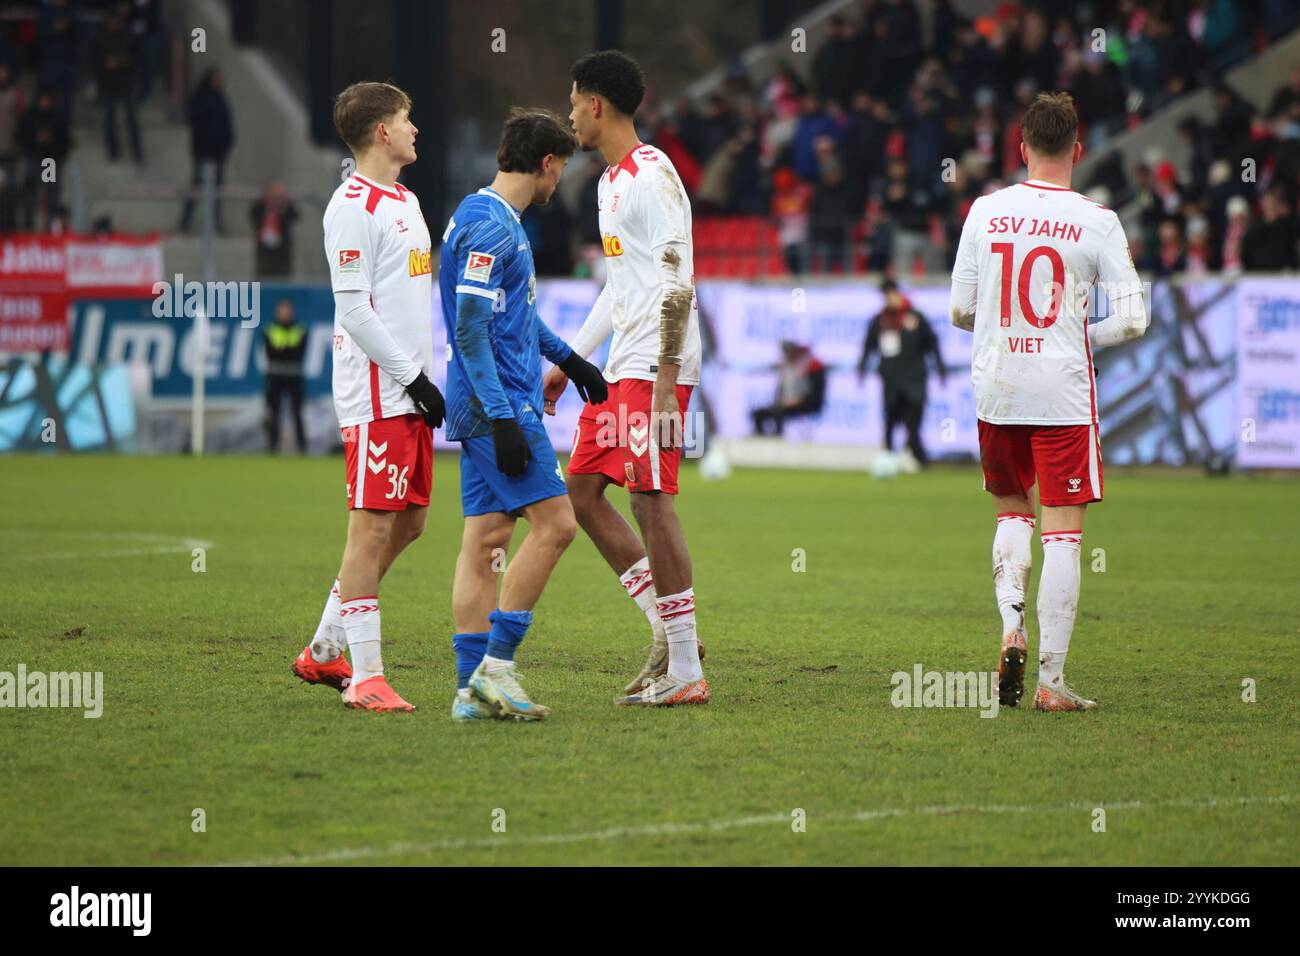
<point>903,338</point>
<point>42,134</point>
<point>113,58</point>
<point>212,134</point>
<point>285,343</point>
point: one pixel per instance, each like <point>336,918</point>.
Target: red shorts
<point>614,439</point>
<point>1065,458</point>
<point>389,462</point>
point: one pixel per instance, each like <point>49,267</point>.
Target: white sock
<point>640,587</point>
<point>495,665</point>
<point>330,638</point>
<point>677,611</point>
<point>1012,559</point>
<point>361,623</point>
<point>1058,600</point>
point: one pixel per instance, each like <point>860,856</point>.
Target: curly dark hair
<point>529,136</point>
<point>611,74</point>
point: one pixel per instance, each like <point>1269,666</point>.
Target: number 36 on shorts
<point>389,463</point>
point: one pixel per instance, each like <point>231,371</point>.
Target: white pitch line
<point>177,546</point>
<point>348,854</point>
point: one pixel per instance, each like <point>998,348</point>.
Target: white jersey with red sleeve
<point>1034,251</point>
<point>377,242</point>
<point>645,227</point>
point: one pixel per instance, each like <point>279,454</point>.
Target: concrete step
<point>184,254</point>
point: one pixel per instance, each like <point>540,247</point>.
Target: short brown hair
<point>1051,125</point>
<point>529,136</point>
<point>359,107</point>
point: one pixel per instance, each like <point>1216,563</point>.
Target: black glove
<point>586,378</point>
<point>428,400</point>
<point>513,453</point>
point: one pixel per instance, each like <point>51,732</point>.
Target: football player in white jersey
<point>380,260</point>
<point>635,438</point>
<point>1030,257</point>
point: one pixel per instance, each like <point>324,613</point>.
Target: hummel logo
<point>375,466</point>
<point>637,439</point>
<point>1074,484</point>
<point>378,450</point>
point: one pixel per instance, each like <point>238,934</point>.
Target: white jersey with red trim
<point>644,207</point>
<point>376,241</point>
<point>1034,252</point>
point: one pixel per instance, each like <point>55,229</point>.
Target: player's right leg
<point>483,547</point>
<point>390,470</point>
<point>540,495</point>
<point>596,463</point>
<point>368,534</point>
<point>1007,460</point>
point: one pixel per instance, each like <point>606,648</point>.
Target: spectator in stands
<point>1270,242</point>
<point>1201,258</point>
<point>908,209</point>
<point>815,122</point>
<point>285,345</point>
<point>903,338</point>
<point>1234,235</point>
<point>212,134</point>
<point>43,135</point>
<point>801,390</point>
<point>838,67</point>
<point>1287,99</point>
<point>831,217</point>
<point>791,199</point>
<point>273,217</point>
<point>57,38</point>
<point>113,59</point>
<point>11,108</point>
<point>896,27</point>
<point>145,23</point>
<point>1168,257</point>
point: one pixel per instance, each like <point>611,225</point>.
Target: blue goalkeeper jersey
<point>489,291</point>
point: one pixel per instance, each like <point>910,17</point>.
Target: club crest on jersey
<point>478,267</point>
<point>349,262</point>
<point>612,244</point>
<point>421,262</point>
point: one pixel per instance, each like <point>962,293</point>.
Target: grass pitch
<point>1199,593</point>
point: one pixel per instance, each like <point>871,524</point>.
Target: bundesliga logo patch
<point>349,262</point>
<point>478,268</point>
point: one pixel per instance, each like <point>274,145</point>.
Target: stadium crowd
<point>871,161</point>
<point>49,54</point>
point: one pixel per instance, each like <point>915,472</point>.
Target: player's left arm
<point>1118,276</point>
<point>665,220</point>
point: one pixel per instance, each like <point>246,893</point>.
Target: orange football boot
<point>374,694</point>
<point>1060,700</point>
<point>336,673</point>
